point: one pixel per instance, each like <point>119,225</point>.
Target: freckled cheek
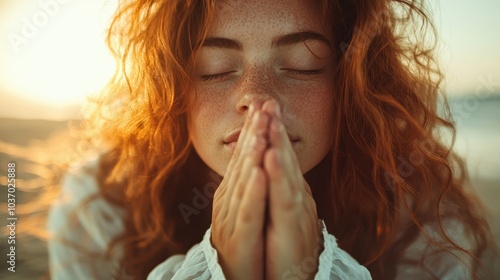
<point>311,105</point>
<point>310,110</point>
<point>207,113</point>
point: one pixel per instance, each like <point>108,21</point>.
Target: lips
<point>232,137</point>
<point>235,135</point>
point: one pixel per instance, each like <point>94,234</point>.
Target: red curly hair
<point>389,157</point>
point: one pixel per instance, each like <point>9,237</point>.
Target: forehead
<point>258,18</point>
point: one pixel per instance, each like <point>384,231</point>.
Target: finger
<point>272,108</point>
<point>250,147</point>
<point>278,138</point>
<point>277,129</point>
<point>301,195</point>
<point>232,172</point>
<point>278,135</point>
<point>310,214</point>
<point>252,161</point>
<point>251,112</point>
<point>252,157</point>
<point>243,135</point>
<point>288,209</point>
<point>250,219</point>
<point>250,154</point>
<point>282,200</point>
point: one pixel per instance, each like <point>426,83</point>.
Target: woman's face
<point>255,51</point>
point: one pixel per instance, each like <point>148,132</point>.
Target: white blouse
<point>79,242</point>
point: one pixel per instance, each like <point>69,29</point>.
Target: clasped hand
<point>264,220</point>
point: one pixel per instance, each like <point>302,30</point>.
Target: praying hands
<point>264,220</point>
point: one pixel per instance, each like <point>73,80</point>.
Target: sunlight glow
<point>57,52</point>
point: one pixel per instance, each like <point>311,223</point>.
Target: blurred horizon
<point>21,107</point>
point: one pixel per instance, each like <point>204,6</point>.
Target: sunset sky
<point>54,53</point>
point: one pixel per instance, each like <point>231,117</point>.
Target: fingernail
<point>252,141</point>
<point>276,125</point>
<point>255,118</point>
<point>251,110</point>
<point>278,110</point>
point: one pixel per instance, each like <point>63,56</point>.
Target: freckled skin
<point>221,105</point>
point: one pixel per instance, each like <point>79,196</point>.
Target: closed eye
<point>290,71</point>
<point>215,76</point>
<point>303,72</point>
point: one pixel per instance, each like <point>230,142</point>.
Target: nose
<point>256,87</point>
<point>257,101</point>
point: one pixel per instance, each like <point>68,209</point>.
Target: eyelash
<point>304,72</point>
<point>214,76</point>
<point>291,71</point>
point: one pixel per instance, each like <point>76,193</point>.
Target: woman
<point>235,126</point>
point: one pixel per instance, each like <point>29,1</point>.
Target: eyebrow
<point>282,41</point>
<point>223,43</point>
<point>299,37</point>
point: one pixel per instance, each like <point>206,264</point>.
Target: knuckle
<point>246,148</point>
<point>287,205</point>
<point>245,216</point>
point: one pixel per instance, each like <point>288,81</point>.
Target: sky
<point>52,52</point>
<point>470,43</point>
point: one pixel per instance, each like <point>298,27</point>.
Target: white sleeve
<point>423,260</point>
<point>79,239</point>
<point>335,263</point>
<point>420,261</point>
<point>200,262</point>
